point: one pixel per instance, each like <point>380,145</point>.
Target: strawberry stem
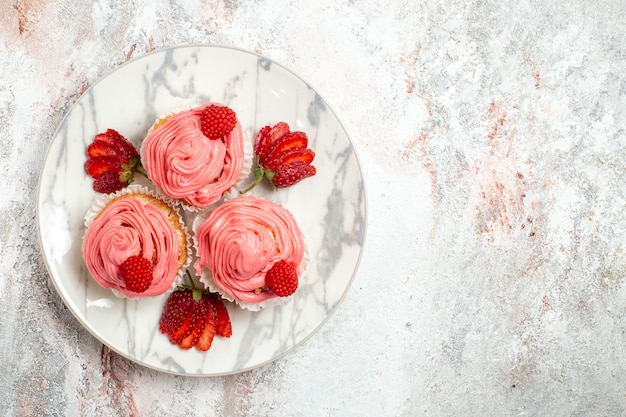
<point>259,173</point>
<point>140,170</point>
<point>195,291</point>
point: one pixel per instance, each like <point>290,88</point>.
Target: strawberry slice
<point>112,162</point>
<point>97,166</point>
<point>289,141</point>
<point>197,326</point>
<point>179,316</point>
<point>108,182</point>
<point>123,149</point>
<point>223,325</point>
<point>268,135</point>
<point>185,328</point>
<point>205,340</point>
<point>288,175</point>
<point>99,148</point>
<point>292,155</point>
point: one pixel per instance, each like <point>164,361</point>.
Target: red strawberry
<point>282,279</point>
<point>217,121</point>
<point>223,325</point>
<point>205,340</point>
<point>179,316</point>
<point>193,318</point>
<point>108,182</point>
<point>136,273</point>
<point>197,326</point>
<point>99,148</point>
<point>293,172</point>
<point>121,146</point>
<point>292,155</point>
<point>267,135</point>
<point>111,162</point>
<point>289,141</point>
<point>282,156</point>
<point>98,165</point>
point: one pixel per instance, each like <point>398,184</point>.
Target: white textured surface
<point>493,141</point>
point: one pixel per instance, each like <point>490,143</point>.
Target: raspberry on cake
<point>195,156</point>
<point>239,242</point>
<point>136,243</point>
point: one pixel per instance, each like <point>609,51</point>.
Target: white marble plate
<point>329,207</point>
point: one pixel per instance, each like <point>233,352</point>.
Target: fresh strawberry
<point>99,165</point>
<point>136,273</point>
<point>192,317</point>
<point>282,279</point>
<point>108,182</point>
<point>100,148</point>
<point>205,340</point>
<point>223,326</point>
<point>288,142</point>
<point>292,155</point>
<point>282,156</point>
<point>293,172</point>
<point>197,326</point>
<point>123,149</point>
<point>111,162</point>
<point>268,135</point>
<point>217,121</point>
<point>179,316</point>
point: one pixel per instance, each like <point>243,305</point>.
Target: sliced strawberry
<point>179,316</point>
<point>292,155</point>
<point>197,326</point>
<point>210,320</point>
<point>97,166</point>
<point>282,156</point>
<point>112,162</point>
<point>185,328</point>
<point>268,135</point>
<point>289,141</point>
<point>223,326</point>
<point>99,148</point>
<point>122,147</point>
<point>288,175</point>
<point>109,182</point>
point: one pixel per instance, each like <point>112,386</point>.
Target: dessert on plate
<point>136,243</point>
<point>195,156</point>
<point>250,250</point>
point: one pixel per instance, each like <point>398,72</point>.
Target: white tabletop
<point>492,139</point>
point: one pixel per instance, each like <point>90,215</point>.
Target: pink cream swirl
<point>241,240</point>
<point>188,166</point>
<point>127,226</point>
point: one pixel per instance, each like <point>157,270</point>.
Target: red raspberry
<point>282,279</point>
<point>136,273</point>
<point>217,121</point>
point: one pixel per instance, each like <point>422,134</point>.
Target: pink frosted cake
<point>135,223</point>
<point>238,242</point>
<point>188,166</point>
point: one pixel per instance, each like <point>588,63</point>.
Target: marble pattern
<point>329,208</point>
<point>491,138</point>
